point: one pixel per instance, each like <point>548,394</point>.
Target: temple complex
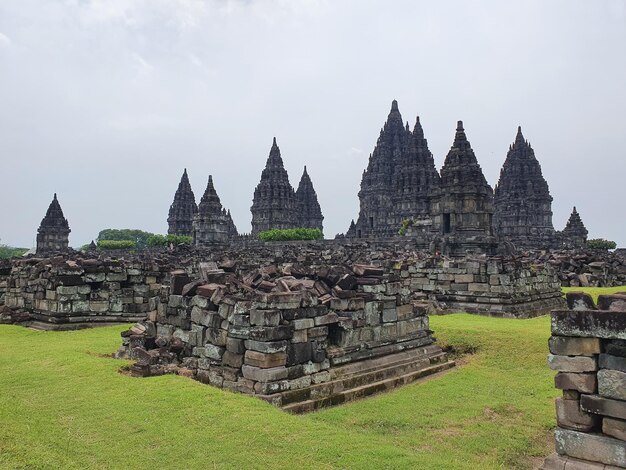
<point>183,209</point>
<point>309,210</point>
<point>53,233</point>
<point>522,198</point>
<point>212,223</point>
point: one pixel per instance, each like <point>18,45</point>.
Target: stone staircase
<point>360,379</point>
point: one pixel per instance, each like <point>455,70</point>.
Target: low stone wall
<point>66,292</point>
<point>492,286</point>
<point>588,350</point>
<point>298,337</point>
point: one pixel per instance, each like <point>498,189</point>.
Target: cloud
<point>5,42</point>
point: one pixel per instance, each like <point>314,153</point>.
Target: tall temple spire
<point>309,210</point>
<point>464,202</point>
<point>54,230</point>
<point>575,233</point>
<point>183,208</point>
<point>274,202</point>
<point>212,224</point>
<point>522,199</point>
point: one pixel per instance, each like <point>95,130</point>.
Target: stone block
<point>389,315</point>
<point>603,406</point>
<point>303,323</point>
<point>580,301</point>
<point>299,353</point>
<point>583,383</point>
<point>264,375</point>
<point>571,346</point>
<point>570,416</point>
<point>404,312</point>
<point>300,336</point>
<point>214,352</point>
<point>266,346</point>
<point>572,364</point>
<point>235,345</point>
<point>607,361</point>
<point>613,302</point>
<point>614,428</point>
<point>233,360</point>
<point>326,319</point>
<point>594,447</point>
<point>612,384</point>
<point>265,360</point>
<point>270,333</point>
<point>589,323</point>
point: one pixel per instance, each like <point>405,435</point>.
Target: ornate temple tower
<point>376,214</point>
<point>53,233</point>
<point>463,205</point>
<point>212,223</point>
<point>183,209</point>
<point>523,205</point>
<point>575,233</point>
<point>414,179</point>
<point>309,210</point>
<point>274,205</point>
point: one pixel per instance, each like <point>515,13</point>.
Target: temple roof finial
<point>394,105</point>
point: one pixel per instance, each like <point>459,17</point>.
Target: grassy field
<point>64,405</point>
<point>596,291</point>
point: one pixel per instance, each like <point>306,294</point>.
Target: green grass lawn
<point>64,405</point>
<point>596,291</point>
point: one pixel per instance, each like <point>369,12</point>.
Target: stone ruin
<point>299,336</point>
<point>212,223</point>
<point>588,352</point>
<point>53,233</point>
<point>183,209</point>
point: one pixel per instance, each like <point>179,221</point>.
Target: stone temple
<point>183,209</point>
<point>277,206</point>
<point>455,211</point>
<point>212,223</point>
<point>522,198</point>
<point>575,232</point>
<point>54,231</point>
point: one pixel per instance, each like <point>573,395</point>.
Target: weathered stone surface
<point>580,301</point>
<point>575,231</point>
<point>583,383</point>
<point>594,447</point>
<point>570,416</point>
<point>264,375</point>
<point>571,346</point>
<point>308,208</point>
<point>572,364</point>
<point>614,428</point>
<point>613,302</point>
<point>603,406</point>
<point>264,360</point>
<point>612,384</point>
<point>607,361</point>
<point>590,323</point>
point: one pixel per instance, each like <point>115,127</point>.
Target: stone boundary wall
<point>513,287</point>
<point>65,293</point>
<point>588,351</point>
<point>298,336</point>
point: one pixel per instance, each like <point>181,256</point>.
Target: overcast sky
<point>105,102</point>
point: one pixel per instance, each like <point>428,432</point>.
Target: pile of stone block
<point>299,337</point>
<point>588,351</point>
<point>587,268</point>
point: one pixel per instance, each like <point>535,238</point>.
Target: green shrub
<point>10,251</point>
<point>601,244</point>
<point>139,237</point>
<point>165,240</point>
<point>116,245</point>
<point>274,235</point>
